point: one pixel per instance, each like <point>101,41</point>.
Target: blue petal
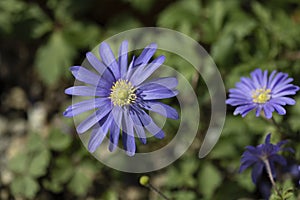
<point>278,159</point>
<point>258,110</point>
<point>234,92</point>
<point>167,82</point>
<point>138,78</point>
<point>96,139</point>
<point>268,139</point>
<point>151,126</point>
<point>116,126</point>
<point>107,77</point>
<point>113,136</point>
<point>94,118</point>
<point>256,76</point>
<point>84,106</point>
<point>161,108</point>
<point>257,171</point>
<point>138,126</point>
<point>81,91</point>
<point>128,143</point>
<point>155,92</point>
<point>277,79</point>
<point>130,71</point>
<point>264,80</point>
<point>291,90</point>
<point>109,59</point>
<point>271,79</point>
<point>282,86</point>
<point>244,110</point>
<point>246,165</point>
<point>243,87</point>
<point>99,133</point>
<point>238,102</point>
<point>93,60</point>
<point>127,123</point>
<point>248,82</point>
<point>283,101</point>
<point>279,109</point>
<point>146,55</point>
<point>140,114</point>
<point>84,75</point>
<point>268,111</point>
<point>123,58</point>
<point>117,113</point>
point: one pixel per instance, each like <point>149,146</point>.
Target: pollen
<point>122,93</point>
<point>261,95</point>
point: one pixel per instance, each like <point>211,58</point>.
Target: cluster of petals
<point>259,155</point>
<point>263,93</point>
<point>121,94</point>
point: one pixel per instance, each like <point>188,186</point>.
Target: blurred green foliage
<point>239,35</point>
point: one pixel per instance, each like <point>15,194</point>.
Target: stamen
<point>261,95</point>
<point>122,93</point>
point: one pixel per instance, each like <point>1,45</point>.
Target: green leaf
<point>53,58</point>
<point>53,186</point>
<point>82,35</point>
<point>24,186</point>
<point>60,174</point>
<point>240,25</point>
<point>262,13</point>
<point>186,195</point>
<point>39,163</point>
<point>186,171</point>
<point>79,183</point>
<point>143,7</point>
<point>18,163</point>
<point>35,143</point>
<point>180,12</point>
<point>63,169</point>
<point>209,179</point>
<point>110,195</point>
<point>122,22</point>
<point>222,50</point>
<point>244,180</point>
<point>82,178</point>
<point>223,149</point>
<point>218,10</point>
<point>58,141</point>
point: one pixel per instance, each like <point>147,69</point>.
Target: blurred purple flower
<point>258,157</point>
<point>293,169</point>
<point>120,94</point>
<point>263,93</point>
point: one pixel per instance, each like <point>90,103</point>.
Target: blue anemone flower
<point>259,155</point>
<point>263,93</point>
<point>120,95</point>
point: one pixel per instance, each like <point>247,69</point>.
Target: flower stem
<point>157,191</point>
<point>269,171</point>
<point>144,181</point>
<point>279,128</point>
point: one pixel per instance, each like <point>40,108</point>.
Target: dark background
<point>41,156</point>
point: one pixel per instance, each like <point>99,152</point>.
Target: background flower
<point>120,95</point>
<point>41,155</point>
<point>262,93</point>
<point>259,155</point>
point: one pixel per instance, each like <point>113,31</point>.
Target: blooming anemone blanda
<point>262,93</point>
<point>121,94</point>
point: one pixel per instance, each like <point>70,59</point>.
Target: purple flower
<point>258,157</point>
<point>120,95</point>
<point>262,93</point>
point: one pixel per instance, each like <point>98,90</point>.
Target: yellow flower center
<point>122,93</point>
<point>261,95</point>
